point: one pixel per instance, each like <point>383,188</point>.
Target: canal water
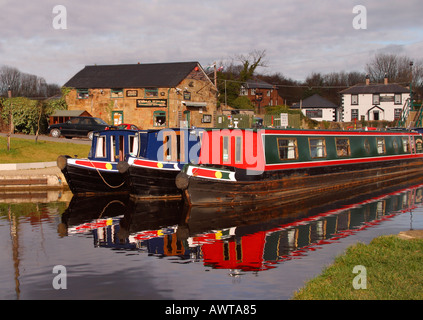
<point>56,246</point>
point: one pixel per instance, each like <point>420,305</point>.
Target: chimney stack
<point>367,80</point>
<point>385,80</point>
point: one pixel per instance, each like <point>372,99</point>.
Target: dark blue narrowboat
<point>162,154</point>
<point>98,173</point>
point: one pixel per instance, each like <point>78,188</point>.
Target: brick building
<point>261,94</point>
<point>158,95</point>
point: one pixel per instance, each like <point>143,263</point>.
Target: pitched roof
<point>315,101</point>
<point>152,75</point>
<point>257,84</point>
<point>375,88</point>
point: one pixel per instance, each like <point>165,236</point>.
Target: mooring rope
<point>102,178</point>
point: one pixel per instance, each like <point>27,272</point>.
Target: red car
<point>127,126</point>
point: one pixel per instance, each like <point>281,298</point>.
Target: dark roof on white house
<point>315,101</point>
<point>375,88</point>
<point>151,75</point>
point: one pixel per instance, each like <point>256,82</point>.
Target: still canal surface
<point>117,248</point>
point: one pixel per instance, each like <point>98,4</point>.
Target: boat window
<point>225,153</point>
<point>405,144</point>
<point>287,149</point>
<point>380,145</point>
<point>133,145</point>
<point>366,146</point>
<point>113,148</point>
<point>100,150</point>
<point>121,148</point>
<point>395,145</point>
<point>317,147</point>
<point>343,147</point>
<point>238,149</point>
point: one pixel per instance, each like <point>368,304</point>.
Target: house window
<point>354,99</point>
<point>287,149</point>
<point>318,113</point>
<point>82,93</point>
<point>243,91</point>
<point>116,93</point>
<point>151,93</point>
<point>380,145</point>
<point>376,99</point>
<point>398,98</point>
<point>159,118</point>
<point>317,148</point>
<point>253,92</point>
<point>343,147</point>
<point>354,114</point>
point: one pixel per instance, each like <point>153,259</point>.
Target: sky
<point>299,36</point>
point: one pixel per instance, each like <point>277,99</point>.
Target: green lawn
<point>393,270</point>
<point>23,150</point>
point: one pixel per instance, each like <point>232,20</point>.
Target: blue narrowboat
<point>98,173</point>
<point>162,154</point>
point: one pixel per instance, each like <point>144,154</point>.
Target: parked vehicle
<point>79,127</point>
<point>127,126</point>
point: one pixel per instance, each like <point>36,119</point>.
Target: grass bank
<point>393,271</point>
<point>23,150</point>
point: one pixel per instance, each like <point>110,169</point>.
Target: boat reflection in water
<point>239,238</point>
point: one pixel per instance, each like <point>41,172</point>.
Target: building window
<point>354,114</point>
<point>380,145</point>
<point>317,148</point>
<point>343,147</point>
<point>317,113</point>
<point>376,99</point>
<point>151,93</point>
<point>159,118</point>
<point>253,92</point>
<point>243,91</point>
<point>82,93</point>
<point>116,93</point>
<point>354,99</point>
<point>398,98</point>
<point>287,149</point>
<point>207,118</point>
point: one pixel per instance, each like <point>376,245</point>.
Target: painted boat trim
<point>152,164</point>
<point>92,164</point>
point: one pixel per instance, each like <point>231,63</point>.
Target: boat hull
<point>153,179</point>
<point>91,179</point>
<point>233,187</point>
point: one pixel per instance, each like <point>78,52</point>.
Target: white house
<point>373,101</point>
<point>318,108</point>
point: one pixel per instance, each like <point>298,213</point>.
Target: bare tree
<point>396,68</point>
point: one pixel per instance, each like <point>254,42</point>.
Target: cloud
<point>299,37</point>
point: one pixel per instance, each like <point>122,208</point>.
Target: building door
<point>376,115</point>
<point>187,118</point>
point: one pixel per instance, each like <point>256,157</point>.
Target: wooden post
<point>9,95</point>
